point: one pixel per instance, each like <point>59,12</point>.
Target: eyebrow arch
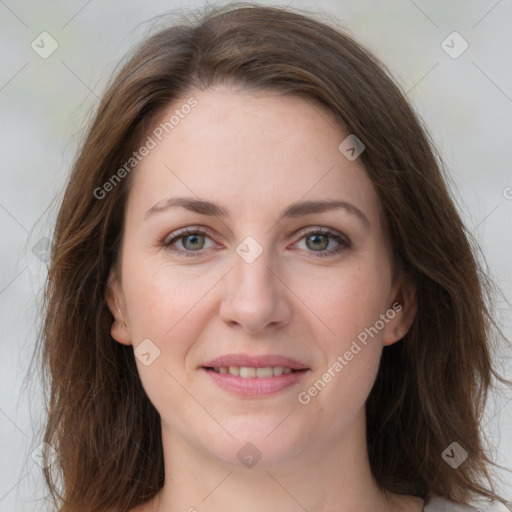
<point>294,210</point>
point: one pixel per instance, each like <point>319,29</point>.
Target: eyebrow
<point>294,210</point>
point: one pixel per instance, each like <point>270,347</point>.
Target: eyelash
<point>344,243</point>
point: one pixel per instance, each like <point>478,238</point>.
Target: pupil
<point>194,239</point>
<point>318,238</point>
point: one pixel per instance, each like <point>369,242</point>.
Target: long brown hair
<point>432,385</point>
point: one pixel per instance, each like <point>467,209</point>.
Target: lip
<point>257,361</point>
<point>255,386</point>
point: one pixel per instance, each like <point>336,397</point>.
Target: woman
<point>261,296</point>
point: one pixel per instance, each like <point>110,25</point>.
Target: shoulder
<point>438,504</point>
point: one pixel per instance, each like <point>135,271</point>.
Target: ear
<point>117,306</point>
<point>401,312</point>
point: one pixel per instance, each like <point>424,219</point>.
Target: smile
<point>247,381</point>
<point>251,372</point>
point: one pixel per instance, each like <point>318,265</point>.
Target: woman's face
<point>273,278</point>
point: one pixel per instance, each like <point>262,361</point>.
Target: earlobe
<point>116,305</point>
<point>404,306</point>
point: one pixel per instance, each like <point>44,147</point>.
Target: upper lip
<point>256,361</point>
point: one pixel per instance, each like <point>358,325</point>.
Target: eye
<point>318,240</point>
<point>191,241</point>
<point>188,241</point>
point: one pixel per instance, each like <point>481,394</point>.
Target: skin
<point>254,153</point>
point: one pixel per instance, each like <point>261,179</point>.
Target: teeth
<point>267,371</point>
<point>245,372</point>
<point>234,370</point>
<point>248,372</point>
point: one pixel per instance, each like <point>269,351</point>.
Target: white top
<point>438,504</point>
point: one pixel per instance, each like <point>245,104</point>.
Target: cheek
<point>338,389</point>
<point>163,300</point>
<point>350,306</point>
<point>169,306</point>
<point>166,303</point>
<point>345,303</point>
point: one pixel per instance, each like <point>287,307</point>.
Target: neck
<point>323,476</point>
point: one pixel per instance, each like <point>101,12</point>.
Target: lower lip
<point>255,386</point>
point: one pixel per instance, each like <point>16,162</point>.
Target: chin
<point>256,443</point>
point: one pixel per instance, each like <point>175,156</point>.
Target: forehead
<point>253,151</point>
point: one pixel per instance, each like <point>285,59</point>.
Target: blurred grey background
<point>55,58</point>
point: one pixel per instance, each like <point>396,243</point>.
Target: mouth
<point>250,372</point>
<point>253,376</point>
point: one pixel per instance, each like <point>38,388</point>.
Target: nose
<point>255,297</point>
